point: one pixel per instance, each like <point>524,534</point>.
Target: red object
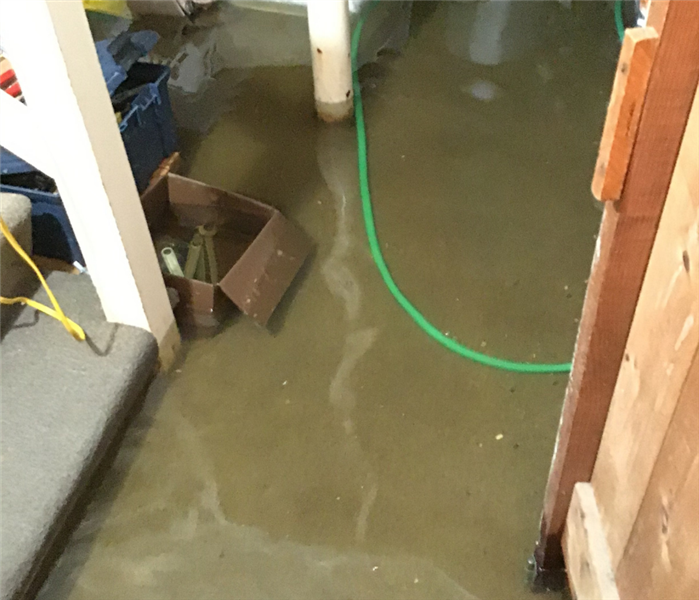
<point>7,76</point>
<point>9,83</point>
<point>14,90</point>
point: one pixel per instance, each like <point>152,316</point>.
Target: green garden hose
<point>619,18</point>
<point>370,225</point>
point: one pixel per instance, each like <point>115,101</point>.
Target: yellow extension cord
<point>56,312</point>
<point>116,8</point>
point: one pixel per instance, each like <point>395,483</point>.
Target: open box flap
<point>257,282</point>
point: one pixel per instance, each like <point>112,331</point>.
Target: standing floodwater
<point>344,454</point>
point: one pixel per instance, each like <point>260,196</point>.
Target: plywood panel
<point>661,561</point>
<point>663,340</point>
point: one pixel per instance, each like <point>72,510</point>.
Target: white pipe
<point>329,29</point>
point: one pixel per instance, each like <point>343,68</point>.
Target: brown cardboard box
<point>258,251</point>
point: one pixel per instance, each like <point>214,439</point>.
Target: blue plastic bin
<point>148,127</point>
<point>52,235</point>
<point>139,92</point>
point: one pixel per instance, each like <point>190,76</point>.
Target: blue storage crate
<point>148,126</point>
<point>139,92</point>
<point>52,235</point>
<point>10,164</point>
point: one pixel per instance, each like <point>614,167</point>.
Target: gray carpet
<point>62,404</point>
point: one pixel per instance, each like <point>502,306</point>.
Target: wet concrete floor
<point>344,455</point>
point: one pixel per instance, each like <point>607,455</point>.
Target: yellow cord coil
<point>116,8</point>
<point>56,312</point>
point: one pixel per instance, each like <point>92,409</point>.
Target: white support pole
<point>53,54</point>
<point>328,26</point>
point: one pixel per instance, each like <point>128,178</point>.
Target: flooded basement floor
<point>344,455</point>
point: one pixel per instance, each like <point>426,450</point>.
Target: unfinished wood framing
<point>661,555</point>
<point>53,54</point>
<point>661,558</point>
<point>624,112</point>
<point>646,478</point>
<point>624,245</point>
<point>663,340</point>
<point>590,570</point>
<point>656,17</point>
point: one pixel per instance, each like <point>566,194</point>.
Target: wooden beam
<point>652,374</point>
<point>626,238</point>
<point>661,559</point>
<point>590,572</point>
<point>624,112</point>
<point>53,54</point>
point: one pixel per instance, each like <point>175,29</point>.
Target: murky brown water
<point>345,455</point>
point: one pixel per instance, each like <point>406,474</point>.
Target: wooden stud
<point>652,374</point>
<point>590,572</point>
<point>624,112</point>
<point>53,54</point>
<point>626,238</point>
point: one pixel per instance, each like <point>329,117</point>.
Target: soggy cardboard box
<point>258,251</point>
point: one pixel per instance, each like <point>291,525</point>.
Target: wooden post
<point>53,54</point>
<point>328,26</point>
<point>626,238</point>
<point>590,570</point>
<point>644,509</point>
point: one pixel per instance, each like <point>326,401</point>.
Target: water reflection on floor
<point>344,454</point>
